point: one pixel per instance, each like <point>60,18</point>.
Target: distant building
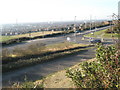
<point>119,9</point>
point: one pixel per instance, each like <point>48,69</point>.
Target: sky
<point>55,10</point>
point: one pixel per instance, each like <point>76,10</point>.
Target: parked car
<point>77,31</point>
<point>95,41</point>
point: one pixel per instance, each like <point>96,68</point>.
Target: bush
<point>27,84</point>
<point>109,31</point>
<point>102,73</point>
<point>114,30</point>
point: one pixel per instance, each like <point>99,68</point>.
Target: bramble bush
<point>102,73</point>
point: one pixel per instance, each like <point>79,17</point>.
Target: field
<point>102,34</point>
<point>34,34</point>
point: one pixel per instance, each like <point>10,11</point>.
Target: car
<point>77,31</point>
<point>95,41</point>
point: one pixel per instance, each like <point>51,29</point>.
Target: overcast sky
<point>55,10</point>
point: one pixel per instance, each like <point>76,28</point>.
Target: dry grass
<point>62,46</point>
<point>38,49</point>
<point>29,57</point>
<point>34,34</point>
<point>58,80</point>
<point>102,34</point>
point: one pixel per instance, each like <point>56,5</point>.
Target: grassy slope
<point>101,34</point>
<point>38,49</point>
<point>14,64</point>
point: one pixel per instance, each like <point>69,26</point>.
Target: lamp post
<point>85,24</point>
<point>90,23</point>
<point>75,27</point>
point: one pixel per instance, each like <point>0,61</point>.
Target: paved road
<point>43,69</point>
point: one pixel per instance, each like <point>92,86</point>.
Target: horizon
<point>32,11</point>
<point>55,21</point>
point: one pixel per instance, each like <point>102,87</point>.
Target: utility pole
<point>16,24</point>
<point>1,29</point>
<point>90,23</point>
<point>95,23</point>
<point>75,27</point>
<point>85,24</point>
<point>75,23</point>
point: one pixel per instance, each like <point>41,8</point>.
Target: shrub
<point>102,73</point>
<point>27,84</point>
<point>109,31</point>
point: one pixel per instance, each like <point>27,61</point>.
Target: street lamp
<point>90,23</point>
<point>85,24</point>
<point>75,27</point>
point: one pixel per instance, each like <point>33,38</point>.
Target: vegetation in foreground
<point>102,73</point>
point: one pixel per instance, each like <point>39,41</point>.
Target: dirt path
<point>38,71</point>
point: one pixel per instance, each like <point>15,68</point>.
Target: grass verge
<point>6,38</point>
<point>102,34</point>
<point>32,35</point>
